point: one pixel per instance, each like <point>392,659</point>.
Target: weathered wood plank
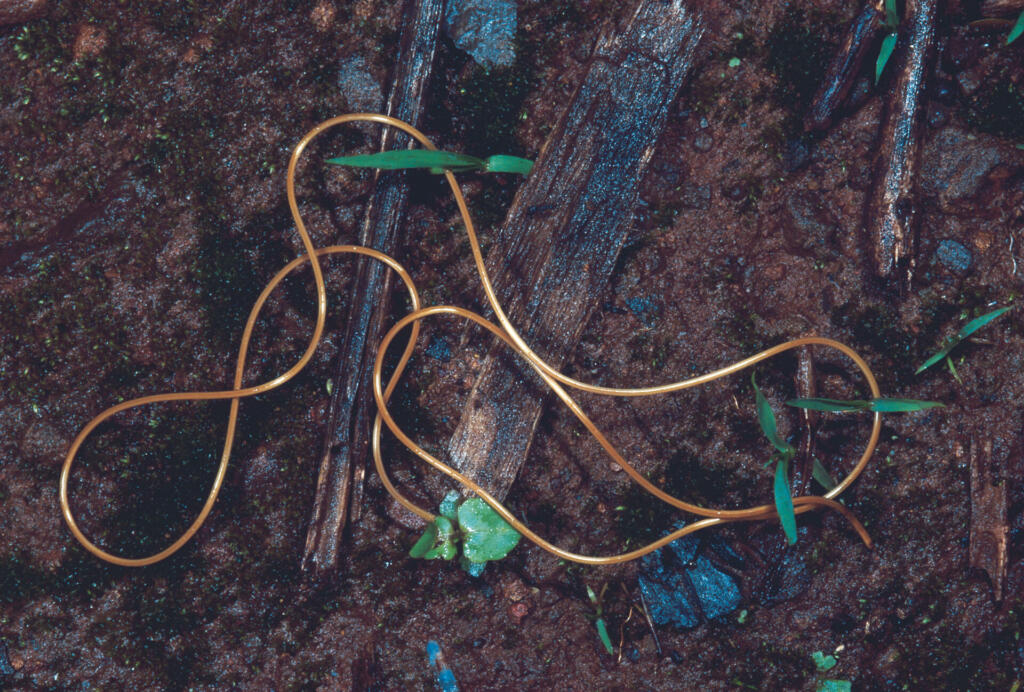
<point>347,431</point>
<point>891,211</point>
<point>559,242</point>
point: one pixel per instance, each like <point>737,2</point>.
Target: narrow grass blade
<point>903,405</point>
<point>835,405</point>
<point>1017,29</point>
<point>602,632</point>
<point>501,163</point>
<point>425,542</point>
<point>892,14</point>
<point>965,331</point>
<point>766,418</point>
<point>821,474</point>
<point>888,44</point>
<point>784,501</point>
<point>411,158</point>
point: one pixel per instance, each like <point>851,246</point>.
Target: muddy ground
<point>142,156</point>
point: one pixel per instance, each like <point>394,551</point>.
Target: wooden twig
<point>559,243</point>
<point>845,67</point>
<point>347,431</point>
<point>890,213</point>
<point>805,389</point>
<point>988,516</point>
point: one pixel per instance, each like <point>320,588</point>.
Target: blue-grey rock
<point>954,256</point>
<point>682,587</point>
<point>438,349</point>
<point>362,91</point>
<point>483,28</point>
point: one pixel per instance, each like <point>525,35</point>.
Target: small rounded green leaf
<point>449,505</point>
<point>425,542</point>
<point>485,535</point>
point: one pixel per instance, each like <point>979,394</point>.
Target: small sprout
<point>892,22</point>
<point>822,662</point>
<point>1017,30</point>
<point>602,628</point>
<point>734,62</point>
<point>834,686</point>
<point>965,331</point>
<point>483,534</point>
<point>329,386</point>
<point>785,454</point>
<point>821,474</point>
<point>435,161</point>
<point>876,405</point>
<point>742,617</point>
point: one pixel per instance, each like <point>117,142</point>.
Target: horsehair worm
<point>505,331</point>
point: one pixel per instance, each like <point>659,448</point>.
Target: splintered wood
<point>559,243</point>
<point>347,432</point>
<point>988,516</point>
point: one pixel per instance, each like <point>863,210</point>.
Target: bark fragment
<point>559,243</point>
<point>347,431</point>
<point>891,214</point>
<point>988,516</point>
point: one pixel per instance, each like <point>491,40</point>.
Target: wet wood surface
<point>347,430</point>
<point>560,240</point>
<point>845,67</point>
<point>891,211</point>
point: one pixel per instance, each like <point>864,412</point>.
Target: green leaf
<point>766,418</point>
<point>821,474</point>
<point>784,501</point>
<point>823,662</point>
<point>835,405</point>
<point>965,331</point>
<point>501,163</point>
<point>474,569</point>
<point>425,542</point>
<point>888,45</point>
<point>445,551</point>
<point>879,405</point>
<point>892,15</point>
<point>1017,29</point>
<point>834,686</point>
<point>903,405</point>
<point>602,632</point>
<point>449,505</point>
<point>411,158</point>
<point>485,535</point>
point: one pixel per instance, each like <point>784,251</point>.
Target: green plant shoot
<point>482,533</point>
<point>876,405</point>
<point>602,628</point>
<point>965,331</point>
<point>785,453</point>
<point>1017,30</point>
<point>892,22</point>
<point>435,161</point>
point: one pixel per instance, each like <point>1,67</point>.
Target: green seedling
<point>892,22</point>
<point>951,343</point>
<point>783,455</point>
<point>825,663</point>
<point>482,533</point>
<point>435,161</point>
<point>821,474</point>
<point>602,628</point>
<point>1017,30</point>
<point>876,405</point>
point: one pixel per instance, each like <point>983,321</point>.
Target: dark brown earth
<point>142,156</point>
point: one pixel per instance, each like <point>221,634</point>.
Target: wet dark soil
<point>142,156</point>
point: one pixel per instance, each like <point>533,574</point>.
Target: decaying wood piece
<point>1001,8</point>
<point>347,431</point>
<point>845,67</point>
<point>988,516</point>
<point>890,212</point>
<point>805,389</point>
<point>561,237</point>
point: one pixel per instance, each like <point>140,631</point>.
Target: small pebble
<point>89,42</point>
<point>703,142</point>
<point>954,256</point>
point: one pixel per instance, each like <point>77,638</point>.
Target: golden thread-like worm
<point>504,330</point>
